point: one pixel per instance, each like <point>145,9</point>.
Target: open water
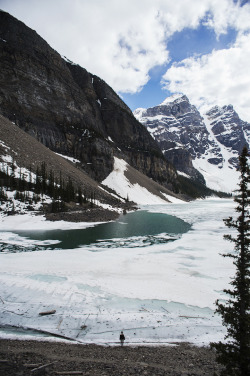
<point>137,229</point>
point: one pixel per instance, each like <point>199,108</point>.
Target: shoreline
<point>78,216</point>
<point>20,357</point>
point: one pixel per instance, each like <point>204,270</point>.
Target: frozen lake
<point>156,291</point>
<point>139,228</point>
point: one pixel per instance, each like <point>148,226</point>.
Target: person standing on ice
<point>122,338</point>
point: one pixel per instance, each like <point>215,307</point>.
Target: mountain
<point>50,105</point>
<point>20,149</point>
<point>71,111</point>
<point>205,147</point>
<point>26,154</point>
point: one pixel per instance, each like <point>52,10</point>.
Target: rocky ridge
<point>229,130</point>
<point>179,130</point>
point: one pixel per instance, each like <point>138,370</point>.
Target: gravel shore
<point>91,215</point>
<point>24,358</point>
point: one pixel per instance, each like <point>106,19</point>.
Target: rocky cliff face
<point>206,148</point>
<point>229,130</point>
<point>180,131</point>
<point>70,110</point>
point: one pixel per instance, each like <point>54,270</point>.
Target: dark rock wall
<point>70,110</point>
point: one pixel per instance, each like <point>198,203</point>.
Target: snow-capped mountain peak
<point>138,113</point>
<point>203,147</point>
<point>173,98</point>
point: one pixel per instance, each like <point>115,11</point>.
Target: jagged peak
<point>139,112</point>
<point>174,98</point>
<point>228,108</point>
<point>213,110</point>
<point>217,110</point>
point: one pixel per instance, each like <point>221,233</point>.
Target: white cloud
<point>227,13</point>
<point>221,77</point>
<point>121,41</point>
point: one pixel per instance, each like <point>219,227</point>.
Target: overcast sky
<point>148,49</point>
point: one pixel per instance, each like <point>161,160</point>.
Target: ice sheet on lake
<point>11,242</point>
<point>39,223</point>
<point>160,293</point>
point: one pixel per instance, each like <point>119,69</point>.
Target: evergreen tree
<point>84,196</point>
<point>92,199</point>
<point>30,180</point>
<point>69,191</point>
<point>235,353</point>
<point>61,186</point>
<point>43,177</point>
<point>51,184</point>
<point>56,190</point>
<point>3,195</point>
<point>38,183</point>
<point>80,200</point>
<point>12,175</point>
<point>21,181</point>
<point>36,198</point>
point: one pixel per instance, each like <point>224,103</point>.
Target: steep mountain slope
<point>20,148</point>
<point>229,129</point>
<point>70,110</point>
<point>205,148</point>
<point>135,186</point>
<point>26,152</point>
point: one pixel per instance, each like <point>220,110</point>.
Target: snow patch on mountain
<point>172,98</point>
<point>117,181</point>
<point>73,160</point>
<point>139,112</point>
<point>220,177</point>
<point>224,180</point>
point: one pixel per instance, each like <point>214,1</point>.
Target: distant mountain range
<point>203,147</point>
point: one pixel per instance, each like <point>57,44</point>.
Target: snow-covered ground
<point>117,181</point>
<point>161,293</point>
<point>222,177</point>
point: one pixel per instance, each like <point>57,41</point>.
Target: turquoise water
<point>137,229</point>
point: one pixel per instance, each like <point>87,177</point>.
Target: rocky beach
<point>24,358</point>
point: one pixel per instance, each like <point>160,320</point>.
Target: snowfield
<point>156,294</point>
<point>223,177</point>
<point>117,181</point>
